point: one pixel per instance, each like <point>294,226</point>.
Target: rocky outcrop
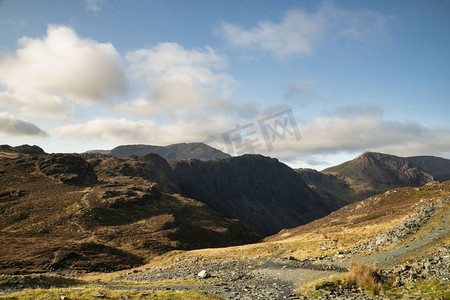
<point>176,151</point>
<point>109,214</point>
<point>67,168</point>
<point>435,266</point>
<point>150,167</point>
<point>24,149</point>
<point>437,167</point>
<point>258,190</point>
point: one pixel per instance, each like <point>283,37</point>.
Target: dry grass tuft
<point>365,276</point>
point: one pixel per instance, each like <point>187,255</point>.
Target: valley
<point>97,226</point>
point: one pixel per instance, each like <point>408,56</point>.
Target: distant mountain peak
<point>372,172</point>
<point>177,151</point>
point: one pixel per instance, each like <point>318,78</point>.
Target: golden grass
<point>365,276</point>
<point>336,279</point>
<point>301,246</point>
<point>87,292</point>
<point>192,281</point>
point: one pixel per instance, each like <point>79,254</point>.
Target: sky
<point>312,83</point>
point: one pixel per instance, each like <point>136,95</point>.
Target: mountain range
<point>373,173</point>
<point>96,211</point>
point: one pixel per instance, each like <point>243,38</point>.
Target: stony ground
<point>272,278</point>
<point>278,278</point>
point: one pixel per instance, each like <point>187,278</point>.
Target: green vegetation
<point>193,281</point>
<point>36,281</point>
<point>365,277</point>
<point>428,289</point>
<point>86,293</point>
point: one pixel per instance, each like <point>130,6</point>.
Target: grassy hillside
<point>58,214</point>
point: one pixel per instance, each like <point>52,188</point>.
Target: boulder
<point>203,274</point>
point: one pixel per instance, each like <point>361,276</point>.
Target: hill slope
<point>437,167</point>
<point>373,173</point>
<point>176,151</point>
<point>402,231</point>
<point>329,185</point>
<point>259,191</point>
<point>61,212</point>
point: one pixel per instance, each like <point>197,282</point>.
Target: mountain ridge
<point>372,173</point>
<point>174,151</point>
<point>123,211</point>
<point>259,190</point>
<point>95,212</point>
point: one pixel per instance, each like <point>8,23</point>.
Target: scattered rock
<point>434,266</point>
<point>401,231</point>
<point>203,274</point>
<point>98,295</point>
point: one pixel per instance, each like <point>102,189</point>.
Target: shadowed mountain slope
<point>175,151</point>
<point>437,167</point>
<point>259,191</point>
<point>329,185</point>
<point>99,213</point>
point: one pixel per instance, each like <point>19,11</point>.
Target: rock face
<point>258,190</point>
<point>437,167</point>
<point>335,188</point>
<point>373,173</point>
<point>67,168</point>
<point>175,151</point>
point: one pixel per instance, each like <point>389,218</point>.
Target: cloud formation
<point>124,130</point>
<point>176,79</point>
<point>367,132</point>
<point>11,126</point>
<point>299,31</point>
<point>94,5</point>
<point>301,91</point>
<point>296,33</point>
<point>59,68</point>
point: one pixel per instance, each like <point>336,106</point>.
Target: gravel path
<point>262,278</point>
<point>277,278</point>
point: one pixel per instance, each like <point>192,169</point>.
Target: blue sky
<point>351,76</point>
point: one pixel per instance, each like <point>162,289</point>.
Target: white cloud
<point>94,5</point>
<point>61,67</point>
<point>36,104</point>
<point>369,132</point>
<point>296,33</point>
<point>299,32</point>
<point>320,137</point>
<point>11,126</point>
<point>178,81</point>
<point>141,131</point>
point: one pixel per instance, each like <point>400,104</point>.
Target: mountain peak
<point>174,151</point>
<point>372,173</point>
